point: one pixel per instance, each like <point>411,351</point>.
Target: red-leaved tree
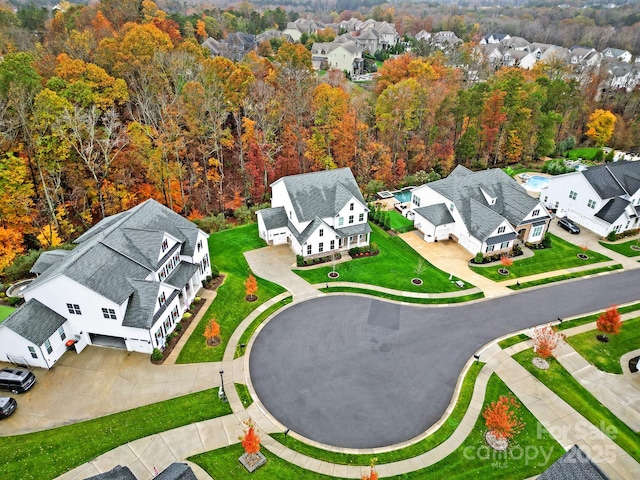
<point>545,340</point>
<point>609,321</point>
<point>501,417</point>
<point>250,440</point>
<point>506,261</point>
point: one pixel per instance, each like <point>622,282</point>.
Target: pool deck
<point>533,193</point>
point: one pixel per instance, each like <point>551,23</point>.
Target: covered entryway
<point>107,341</point>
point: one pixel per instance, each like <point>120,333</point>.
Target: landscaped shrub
<point>20,267</point>
<point>15,301</point>
<point>611,236</point>
<point>243,215</point>
<point>627,233</point>
<point>299,260</point>
<point>478,258</point>
<point>178,327</point>
<point>608,158</point>
<point>516,250</point>
<point>546,241</point>
<point>556,167</point>
<point>215,273</point>
<point>598,156</point>
<point>213,223</point>
<point>355,251</point>
<point>319,260</point>
<point>156,356</point>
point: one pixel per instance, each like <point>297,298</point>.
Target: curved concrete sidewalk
<point>400,293</point>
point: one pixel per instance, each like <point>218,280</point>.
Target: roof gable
<point>612,180</point>
<point>34,321</point>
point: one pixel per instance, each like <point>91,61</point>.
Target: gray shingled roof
<point>116,473</point>
<point>274,217</point>
<point>612,210</point>
<point>141,306</point>
<point>177,471</point>
<point>361,228</point>
<point>465,189</point>
<point>34,321</point>
<point>614,179</point>
<point>573,465</point>
<point>314,194</point>
<point>47,259</point>
<point>437,214</point>
<point>181,274</point>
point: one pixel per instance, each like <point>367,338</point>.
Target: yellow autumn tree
<point>48,237</point>
<point>600,127</point>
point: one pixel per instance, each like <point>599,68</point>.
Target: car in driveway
<point>7,406</point>
<point>16,380</point>
<point>568,225</point>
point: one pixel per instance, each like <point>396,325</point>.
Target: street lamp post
<point>221,395</point>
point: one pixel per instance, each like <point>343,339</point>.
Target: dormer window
<point>165,245</point>
<point>501,229</point>
<point>536,212</point>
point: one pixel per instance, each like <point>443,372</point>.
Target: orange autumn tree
<point>501,417</point>
<point>546,340</point>
<point>373,475</point>
<point>251,287</point>
<point>609,321</point>
<point>506,261</point>
<point>212,333</point>
<point>250,440</point>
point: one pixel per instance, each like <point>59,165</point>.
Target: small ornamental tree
<point>251,287</point>
<point>212,333</point>
<point>546,340</point>
<point>250,440</point>
<point>506,261</point>
<point>609,321</point>
<point>501,418</point>
<point>373,475</point>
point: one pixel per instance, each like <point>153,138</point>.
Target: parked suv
<point>568,225</point>
<point>16,380</point>
<point>7,406</point>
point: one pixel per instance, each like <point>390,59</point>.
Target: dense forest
<point>106,105</point>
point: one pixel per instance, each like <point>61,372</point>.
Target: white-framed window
<point>350,219</point>
<point>537,231</point>
<point>361,217</point>
<point>536,212</point>
<point>591,204</point>
<point>321,232</point>
<point>416,200</point>
<point>74,308</point>
<point>47,345</point>
<point>33,353</point>
<point>308,249</point>
<point>572,195</point>
<point>165,245</point>
<point>340,221</point>
<point>62,333</point>
<point>321,247</point>
<point>490,248</point>
<point>504,245</point>
<point>501,229</point>
<point>332,245</point>
<point>162,298</point>
<point>109,313</point>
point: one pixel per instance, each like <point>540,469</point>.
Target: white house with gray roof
<point>603,198</point>
<point>316,213</point>
<point>483,211</point>
<point>125,285</point>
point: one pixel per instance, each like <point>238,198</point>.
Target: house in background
<point>316,213</point>
<point>125,285</point>
<point>483,211</point>
<point>341,55</point>
<point>603,198</point>
<point>618,54</point>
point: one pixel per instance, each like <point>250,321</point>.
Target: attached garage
<point>107,341</point>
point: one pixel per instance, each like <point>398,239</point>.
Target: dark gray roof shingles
<point>48,259</point>
<point>116,473</point>
<point>437,214</point>
<point>573,465</point>
<point>612,210</point>
<point>34,321</point>
<point>274,217</point>
<point>177,471</point>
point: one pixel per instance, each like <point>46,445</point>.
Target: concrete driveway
<point>100,381</point>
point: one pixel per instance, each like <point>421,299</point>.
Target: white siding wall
<point>427,197</point>
<point>341,59</point>
<point>346,212</point>
<point>171,241</point>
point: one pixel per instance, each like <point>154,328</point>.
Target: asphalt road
<point>359,372</point>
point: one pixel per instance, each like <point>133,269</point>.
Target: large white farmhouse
<point>125,285</point>
<point>484,211</point>
<point>603,198</point>
<point>316,213</point>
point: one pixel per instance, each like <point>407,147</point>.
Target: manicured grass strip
<point>592,318</point>
<point>229,307</point>
<point>50,453</point>
<point>507,342</point>
<point>248,333</point>
<point>5,311</point>
<point>586,153</point>
<point>430,442</point>
<point>569,389</point>
<point>624,248</point>
<point>562,254</point>
<point>559,278</point>
<point>243,393</point>
<point>398,222</point>
<point>393,268</point>
<point>399,298</point>
<point>473,459</point>
<point>606,356</point>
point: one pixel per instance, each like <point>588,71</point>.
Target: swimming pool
<point>536,183</point>
<point>403,196</point>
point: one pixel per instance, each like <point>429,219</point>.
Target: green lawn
<point>393,268</point>
<point>507,342</point>
<point>229,308</point>
<point>624,248</point>
<point>587,153</point>
<point>248,332</point>
<point>243,393</point>
<point>570,390</point>
<point>592,318</point>
<point>562,255</point>
<point>471,459</point>
<point>400,298</point>
<point>398,222</point>
<point>606,356</point>
<point>568,276</point>
<point>5,311</point>
<point>50,453</point>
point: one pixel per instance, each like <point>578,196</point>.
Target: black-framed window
<point>74,308</point>
<point>109,313</point>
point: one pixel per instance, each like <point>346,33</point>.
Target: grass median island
<point>249,331</point>
<point>50,453</point>
<point>606,356</point>
<point>394,267</point>
<point>561,255</point>
<point>243,393</point>
<point>229,307</point>
<point>568,276</point>
<point>472,459</point>
<point>507,342</point>
<point>400,298</point>
<point>624,248</point>
<point>562,383</point>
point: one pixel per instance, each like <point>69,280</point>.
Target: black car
<point>7,406</point>
<point>16,380</point>
<point>568,225</point>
